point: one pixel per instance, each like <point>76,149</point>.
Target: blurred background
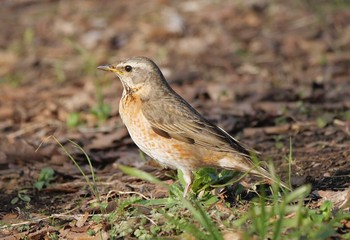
<point>269,72</point>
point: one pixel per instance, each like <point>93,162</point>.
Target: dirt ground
<point>273,75</point>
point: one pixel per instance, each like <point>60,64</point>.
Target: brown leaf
<point>17,151</point>
<point>108,140</point>
<point>340,199</point>
<point>10,218</point>
<point>82,219</point>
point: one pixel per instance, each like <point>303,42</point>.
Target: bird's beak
<point>109,68</point>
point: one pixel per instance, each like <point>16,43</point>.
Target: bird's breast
<point>170,152</point>
<point>139,128</point>
<point>131,113</point>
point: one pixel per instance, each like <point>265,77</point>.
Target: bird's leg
<point>187,175</point>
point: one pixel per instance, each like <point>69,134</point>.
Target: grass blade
<point>200,215</point>
<point>141,175</point>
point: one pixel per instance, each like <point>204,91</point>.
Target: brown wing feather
<point>174,117</point>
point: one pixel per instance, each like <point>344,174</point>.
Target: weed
<point>92,182</point>
<point>74,119</point>
<point>45,177</point>
<point>268,218</point>
<point>101,110</point>
<point>345,115</point>
<point>142,175</point>
<point>242,53</point>
<point>23,228</point>
<point>28,38</point>
<point>91,232</point>
<point>201,216</point>
<point>22,195</point>
<point>323,60</point>
<point>290,162</point>
<point>281,215</point>
<point>278,141</point>
<point>281,119</point>
<point>301,107</point>
<point>14,79</point>
<point>324,120</point>
<point>53,236</point>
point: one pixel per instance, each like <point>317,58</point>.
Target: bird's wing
<point>175,118</point>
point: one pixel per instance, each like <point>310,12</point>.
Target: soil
<point>274,75</point>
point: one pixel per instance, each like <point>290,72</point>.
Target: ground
<point>276,75</point>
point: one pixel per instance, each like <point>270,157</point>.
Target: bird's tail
<point>272,179</point>
<point>246,165</point>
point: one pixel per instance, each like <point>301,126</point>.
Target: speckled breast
<point>169,152</point>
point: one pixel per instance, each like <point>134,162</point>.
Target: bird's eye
<point>128,68</point>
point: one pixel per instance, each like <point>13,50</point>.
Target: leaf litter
<point>266,74</point>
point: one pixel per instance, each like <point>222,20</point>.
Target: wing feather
<point>175,118</point>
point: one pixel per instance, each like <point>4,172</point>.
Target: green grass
<point>22,195</point>
<point>281,215</point>
<point>74,120</point>
<point>277,216</point>
<point>91,183</point>
<point>45,177</point>
<point>272,214</point>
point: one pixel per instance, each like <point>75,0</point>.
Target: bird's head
<point>137,74</point>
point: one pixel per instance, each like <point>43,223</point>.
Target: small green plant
<point>14,79</point>
<point>281,120</point>
<point>23,228</point>
<point>28,38</point>
<point>45,177</point>
<point>91,232</point>
<point>243,54</point>
<point>278,141</point>
<point>323,60</point>
<point>205,179</point>
<point>268,218</point>
<point>22,195</point>
<point>74,119</point>
<point>91,183</point>
<point>142,175</point>
<point>290,162</point>
<point>324,120</point>
<point>101,110</point>
<point>301,107</point>
<point>345,115</point>
<point>53,236</point>
<point>202,217</point>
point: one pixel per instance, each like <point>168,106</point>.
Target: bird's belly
<point>169,152</point>
<point>151,143</point>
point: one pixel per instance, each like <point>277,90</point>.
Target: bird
<point>169,130</point>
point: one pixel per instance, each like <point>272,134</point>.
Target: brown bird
<point>170,130</point>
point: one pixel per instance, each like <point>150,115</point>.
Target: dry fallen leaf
<point>103,140</point>
<point>340,199</point>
